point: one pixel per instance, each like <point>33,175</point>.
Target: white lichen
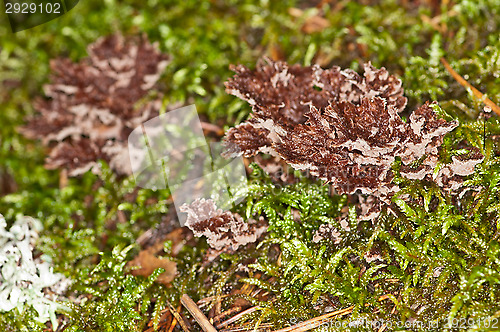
<point>25,281</point>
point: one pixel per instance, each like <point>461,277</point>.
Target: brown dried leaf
<point>315,24</point>
<point>148,262</point>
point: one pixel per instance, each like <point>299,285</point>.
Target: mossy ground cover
<point>441,258</point>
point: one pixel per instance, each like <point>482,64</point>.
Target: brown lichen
<point>348,132</point>
<point>92,107</point>
<point>281,96</point>
<point>221,228</point>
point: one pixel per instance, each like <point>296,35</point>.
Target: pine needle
<point>467,85</point>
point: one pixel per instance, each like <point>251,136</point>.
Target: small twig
<point>262,327</point>
<point>238,317</point>
<point>63,178</point>
<point>434,21</point>
<point>122,218</point>
<point>205,301</point>
<point>174,319</point>
<point>218,306</point>
<point>466,85</point>
<point>318,321</point>
<point>210,127</point>
<point>178,317</point>
<point>382,329</point>
<point>315,322</point>
<point>226,313</point>
<point>197,314</point>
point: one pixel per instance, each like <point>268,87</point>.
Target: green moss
<point>114,300</point>
<point>440,254</point>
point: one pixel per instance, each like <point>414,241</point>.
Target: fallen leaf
<point>314,24</point>
<point>148,262</point>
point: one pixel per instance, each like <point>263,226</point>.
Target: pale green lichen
<point>24,279</point>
